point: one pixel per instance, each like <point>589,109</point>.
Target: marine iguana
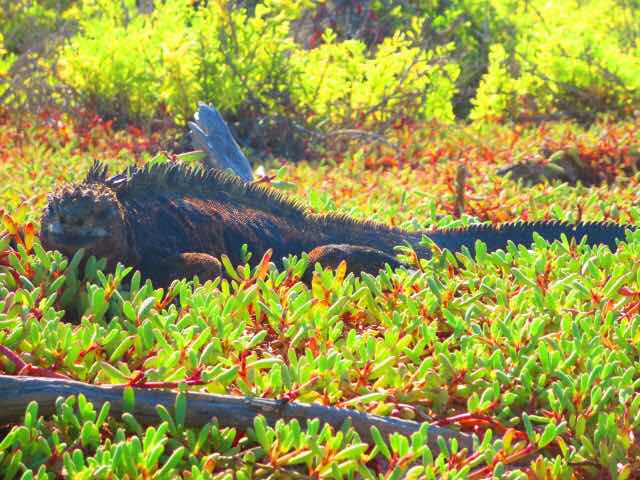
<point>563,166</point>
<point>171,221</point>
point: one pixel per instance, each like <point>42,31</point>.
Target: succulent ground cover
<point>533,351</point>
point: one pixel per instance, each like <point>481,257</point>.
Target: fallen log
<point>237,412</point>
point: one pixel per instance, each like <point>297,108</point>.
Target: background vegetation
<point>533,351</point>
<point>313,69</point>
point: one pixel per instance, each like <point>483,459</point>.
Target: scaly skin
<point>171,222</point>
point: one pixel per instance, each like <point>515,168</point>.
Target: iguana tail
<point>497,236</point>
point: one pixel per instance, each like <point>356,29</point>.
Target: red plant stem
<point>467,418</point>
<point>151,385</point>
<point>27,369</point>
<point>469,459</point>
<point>295,393</point>
<point>486,471</point>
<point>13,357</point>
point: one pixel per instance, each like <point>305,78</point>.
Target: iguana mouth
<point>61,236</point>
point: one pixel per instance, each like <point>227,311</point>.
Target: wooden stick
<point>211,133</point>
<point>461,182</point>
<point>238,412</point>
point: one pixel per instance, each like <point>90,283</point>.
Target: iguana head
<point>86,215</point>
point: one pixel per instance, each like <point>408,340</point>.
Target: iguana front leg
<point>358,259</point>
<point>186,265</point>
<point>207,267</point>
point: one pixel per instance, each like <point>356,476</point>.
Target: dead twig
<point>211,133</point>
<point>461,182</point>
<point>234,412</point>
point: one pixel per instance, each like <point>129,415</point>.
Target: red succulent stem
<point>26,369</point>
<point>483,472</point>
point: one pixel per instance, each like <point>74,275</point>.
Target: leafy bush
<point>6,59</point>
<point>134,64</point>
<point>567,57</point>
<point>25,23</point>
<point>400,75</point>
<point>296,66</point>
<point>30,32</point>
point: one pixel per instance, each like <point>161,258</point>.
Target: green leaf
<point>301,457</point>
<point>548,435</point>
<point>122,348</point>
<point>260,428</point>
<point>354,451</point>
<point>529,427</point>
<point>181,409</point>
<point>104,413</point>
<point>128,399</point>
<point>132,423</point>
<point>227,376</point>
<point>380,443</point>
<point>229,269</point>
<point>129,311</point>
<point>89,435</point>
<point>113,373</point>
<point>264,363</point>
<point>369,397</point>
<point>195,156</point>
<point>145,307</point>
<point>171,463</point>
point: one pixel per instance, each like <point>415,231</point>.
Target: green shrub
<point>389,79</point>
<point>114,62</point>
<point>327,64</point>
<point>6,58</point>
<point>136,65</point>
<point>569,57</point>
<point>25,23</point>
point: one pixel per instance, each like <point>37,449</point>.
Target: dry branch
<point>236,412</point>
<point>211,133</point>
<point>461,182</point>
